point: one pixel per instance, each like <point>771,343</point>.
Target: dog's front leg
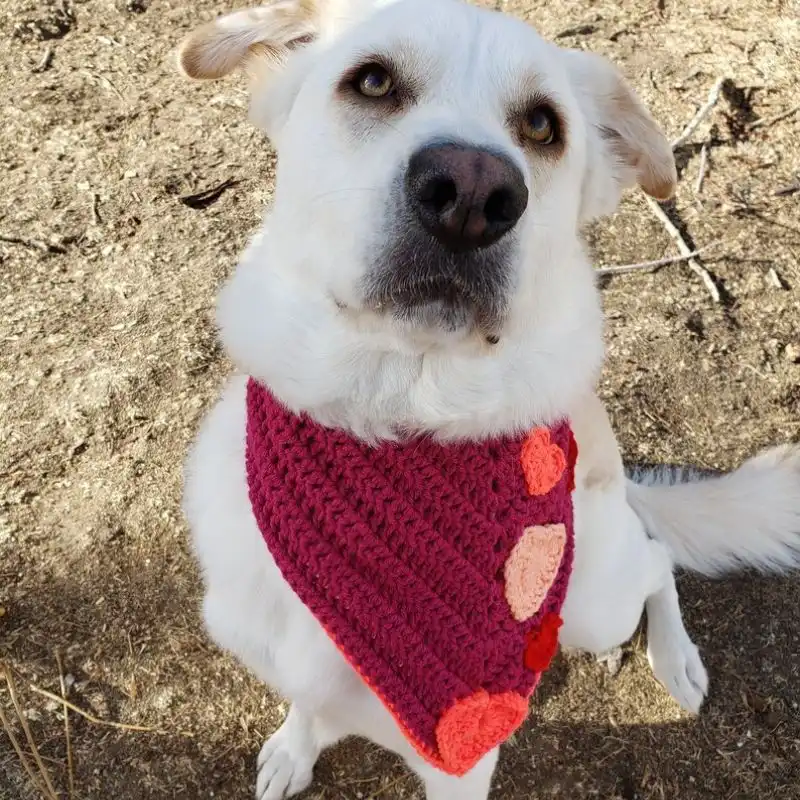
<point>287,758</point>
<point>356,710</point>
<point>673,656</point>
<point>474,785</point>
<point>286,761</point>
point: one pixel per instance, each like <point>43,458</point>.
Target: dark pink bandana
<point>438,570</point>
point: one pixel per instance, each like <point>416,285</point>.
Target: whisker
<point>387,124</point>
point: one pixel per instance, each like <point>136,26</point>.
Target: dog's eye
<point>374,81</point>
<point>540,125</point>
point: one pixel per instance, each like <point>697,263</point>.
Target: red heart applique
<point>543,463</point>
<point>477,724</point>
<point>542,643</point>
<point>572,460</point>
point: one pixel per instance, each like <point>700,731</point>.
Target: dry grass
<point>114,236</point>
<point>38,773</point>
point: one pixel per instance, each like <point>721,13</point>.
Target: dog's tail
<point>749,518</point>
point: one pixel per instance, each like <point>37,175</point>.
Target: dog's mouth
<point>447,302</point>
<point>449,292</point>
<point>425,286</point>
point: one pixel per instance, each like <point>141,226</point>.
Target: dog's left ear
<point>626,146</point>
<point>262,36</point>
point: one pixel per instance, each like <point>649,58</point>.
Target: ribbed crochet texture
<point>437,569</point>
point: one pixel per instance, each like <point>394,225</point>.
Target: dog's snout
<point>466,197</point>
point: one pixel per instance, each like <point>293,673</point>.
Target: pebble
<point>792,353</point>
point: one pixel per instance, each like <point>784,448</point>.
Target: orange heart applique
<point>543,462</point>
<point>532,567</point>
<point>477,724</point>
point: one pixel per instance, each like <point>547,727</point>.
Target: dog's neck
<point>362,376</point>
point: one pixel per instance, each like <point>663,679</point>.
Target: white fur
<point>718,525</point>
<point>293,316</point>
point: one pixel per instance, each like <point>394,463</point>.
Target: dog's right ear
<point>627,145</point>
<point>245,39</point>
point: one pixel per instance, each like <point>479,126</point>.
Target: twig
<point>576,30</point>
<point>20,752</point>
<point>90,717</point>
<point>787,191</point>
<point>103,81</point>
<point>701,174</point>
<point>50,794</point>
<point>96,209</point>
<point>203,199</point>
<point>702,113</point>
<point>697,268</point>
<point>34,244</point>
<point>46,61</point>
<point>686,251</point>
<point>70,767</point>
<point>645,265</point>
<point>107,82</point>
<point>761,123</point>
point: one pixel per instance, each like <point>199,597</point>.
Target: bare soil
<point>109,358</point>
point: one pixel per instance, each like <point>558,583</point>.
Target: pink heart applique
<point>532,567</point>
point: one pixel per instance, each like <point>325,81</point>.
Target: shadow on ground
<point>133,648</point>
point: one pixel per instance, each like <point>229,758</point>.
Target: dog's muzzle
<point>449,258</point>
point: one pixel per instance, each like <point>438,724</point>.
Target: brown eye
<point>374,81</point>
<point>540,125</point>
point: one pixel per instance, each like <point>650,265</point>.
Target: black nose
<point>465,196</point>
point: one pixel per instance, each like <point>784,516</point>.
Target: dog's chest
<point>438,570</point>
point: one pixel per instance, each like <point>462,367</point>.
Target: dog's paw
<point>286,761</point>
<point>676,663</point>
<point>612,660</point>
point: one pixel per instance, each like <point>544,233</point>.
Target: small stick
<point>34,244</point>
<point>95,209</point>
<point>787,191</point>
<point>90,717</point>
<point>45,775</point>
<point>576,30</point>
<point>203,199</point>
<point>70,767</point>
<point>701,175</point>
<point>21,753</point>
<point>46,61</point>
<point>107,81</point>
<point>761,123</point>
<point>698,270</point>
<point>702,113</point>
<point>644,265</point>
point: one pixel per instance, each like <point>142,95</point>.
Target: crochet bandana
<point>438,570</point>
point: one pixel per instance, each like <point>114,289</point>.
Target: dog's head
<point>435,163</point>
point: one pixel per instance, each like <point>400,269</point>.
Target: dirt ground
<point>108,360</point>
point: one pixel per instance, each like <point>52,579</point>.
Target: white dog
<point>346,306</point>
